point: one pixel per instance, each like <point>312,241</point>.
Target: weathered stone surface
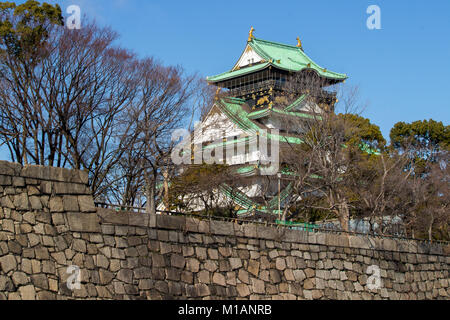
<point>56,204</point>
<point>21,202</point>
<point>169,222</point>
<point>193,265</point>
<point>83,222</point>
<point>20,278</point>
<point>6,284</point>
<point>8,263</point>
<point>225,252</point>
<point>40,281</point>
<point>280,264</point>
<point>235,263</point>
<point>70,203</point>
<point>125,275</point>
<point>106,276</point>
<point>48,225</point>
<point>253,267</point>
<point>243,290</point>
<point>275,276</point>
<point>27,292</point>
<point>258,286</point>
<point>211,266</point>
<point>222,228</point>
<point>219,279</point>
<point>86,204</point>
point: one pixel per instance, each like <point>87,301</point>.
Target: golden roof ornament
<point>299,43</point>
<point>217,93</point>
<point>250,34</point>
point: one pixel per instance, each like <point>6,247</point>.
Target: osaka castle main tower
<point>257,95</point>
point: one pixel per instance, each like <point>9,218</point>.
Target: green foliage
<point>25,28</point>
<point>361,133</point>
<point>424,136</point>
<point>424,141</point>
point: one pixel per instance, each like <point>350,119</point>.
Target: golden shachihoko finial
<point>299,43</point>
<point>250,34</point>
<point>217,93</point>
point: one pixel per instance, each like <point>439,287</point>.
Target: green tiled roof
<point>233,74</point>
<point>249,205</point>
<point>267,112</point>
<point>281,56</point>
<point>297,114</point>
<point>260,114</point>
<point>232,107</point>
<point>296,103</point>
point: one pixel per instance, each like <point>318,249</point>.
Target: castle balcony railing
<point>279,85</point>
<point>257,87</point>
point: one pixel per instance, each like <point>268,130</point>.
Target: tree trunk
<point>166,189</point>
<point>430,229</point>
<point>150,193</point>
<point>344,216</point>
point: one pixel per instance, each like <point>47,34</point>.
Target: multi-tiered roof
<point>260,76</point>
<point>254,85</point>
<point>278,56</point>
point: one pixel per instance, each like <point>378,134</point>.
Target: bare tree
<point>321,167</point>
<point>82,102</point>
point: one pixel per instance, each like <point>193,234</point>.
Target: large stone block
<point>235,263</point>
<point>292,236</point>
<point>125,275</point>
<point>268,233</point>
<point>139,219</point>
<point>258,286</point>
<point>56,204</point>
<point>68,188</point>
<point>40,281</point>
<point>8,263</point>
<point>9,168</point>
<point>39,172</point>
<point>113,217</point>
<point>243,290</point>
<point>177,261</point>
<point>50,173</point>
<point>222,228</point>
<point>389,245</point>
<point>6,202</point>
<point>86,203</point>
<point>21,202</point>
<point>170,222</point>
<point>70,203</point>
<point>27,292</point>
<point>191,224</point>
<point>5,180</point>
<point>84,222</point>
<point>203,227</point>
<point>18,182</point>
<point>250,231</point>
<point>219,279</point>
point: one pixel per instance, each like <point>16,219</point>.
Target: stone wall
<point>48,222</point>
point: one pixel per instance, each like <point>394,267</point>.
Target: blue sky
<point>402,69</point>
